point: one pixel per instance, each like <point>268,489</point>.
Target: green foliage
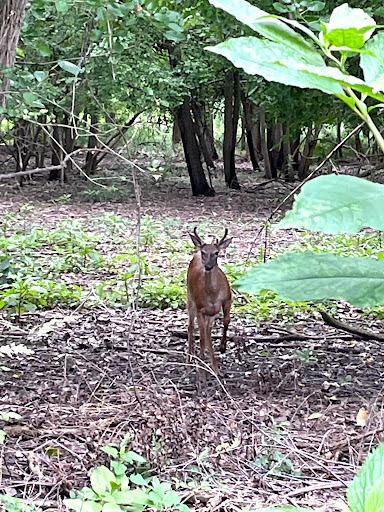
<point>337,204</point>
<point>164,292</point>
<point>332,204</point>
<point>365,493</point>
<point>14,504</point>
<point>310,276</point>
<point>94,193</point>
<point>275,462</point>
<point>124,486</point>
<point>285,56</point>
<point>5,269</point>
<point>306,356</point>
<point>28,294</point>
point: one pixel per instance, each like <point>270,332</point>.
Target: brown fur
<point>208,292</point>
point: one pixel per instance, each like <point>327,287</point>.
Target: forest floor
<point>277,429</point>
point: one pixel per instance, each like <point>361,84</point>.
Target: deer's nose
<point>208,267</point>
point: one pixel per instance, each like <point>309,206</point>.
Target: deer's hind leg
<point>227,318</point>
<point>191,332</point>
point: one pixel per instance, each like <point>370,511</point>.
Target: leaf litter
<point>276,430</point>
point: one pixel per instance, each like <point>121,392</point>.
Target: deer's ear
<point>196,240</point>
<point>224,243</point>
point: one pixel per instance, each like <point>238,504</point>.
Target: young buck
<point>207,292</point>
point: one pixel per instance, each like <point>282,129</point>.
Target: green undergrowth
<point>128,482</point>
<point>107,260</point>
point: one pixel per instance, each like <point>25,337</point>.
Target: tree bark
<point>198,124</point>
<point>264,145</point>
<point>209,135</point>
<point>192,153</point>
<point>309,148</point>
<point>287,157</point>
<point>275,136</point>
<point>249,131</point>
<point>231,117</point>
<point>90,159</point>
<point>176,135</point>
<point>338,138</point>
<point>57,153</point>
<point>11,17</point>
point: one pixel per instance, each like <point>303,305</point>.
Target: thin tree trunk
<point>192,153</point>
<point>176,135</point>
<point>287,157</point>
<point>209,136</point>
<point>11,17</point>
<point>275,136</point>
<point>309,148</point>
<point>198,124</point>
<point>231,117</point>
<point>264,145</point>
<point>57,153</point>
<point>90,159</point>
<point>250,132</point>
<point>338,138</point>
<point>358,143</point>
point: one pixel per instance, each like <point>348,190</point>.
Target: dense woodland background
<point>119,134</point>
<point>119,76</point>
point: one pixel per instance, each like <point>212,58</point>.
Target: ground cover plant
<point>102,345</point>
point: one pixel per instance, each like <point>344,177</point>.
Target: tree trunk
<point>231,117</point>
<point>209,136</point>
<point>41,143</point>
<point>358,143</point>
<point>264,145</point>
<point>198,124</point>
<point>57,153</point>
<point>287,157</point>
<point>275,136</point>
<point>22,144</point>
<point>192,153</point>
<point>90,159</point>
<point>176,135</point>
<point>250,132</point>
<point>11,17</point>
<point>338,138</point>
<point>309,148</point>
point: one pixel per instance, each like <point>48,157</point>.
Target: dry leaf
<point>315,416</point>
<point>362,417</point>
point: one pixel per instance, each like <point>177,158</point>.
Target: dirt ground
<point>93,375</point>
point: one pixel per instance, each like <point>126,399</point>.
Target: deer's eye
<point>217,253</point>
<point>203,253</point>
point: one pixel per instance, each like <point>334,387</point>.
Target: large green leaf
<point>277,62</point>
<point>348,28</point>
<point>270,27</point>
<point>373,65</point>
<point>364,489</point>
<point>337,204</point>
<point>314,276</point>
<point>70,67</point>
<point>101,479</point>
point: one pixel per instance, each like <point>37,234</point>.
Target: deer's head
<point>210,252</point>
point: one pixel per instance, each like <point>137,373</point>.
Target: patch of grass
<point>93,193</point>
<point>38,267</point>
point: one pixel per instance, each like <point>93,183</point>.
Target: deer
<point>208,292</point>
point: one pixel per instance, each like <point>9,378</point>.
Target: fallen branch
<point>61,166</point>
<point>363,333</point>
